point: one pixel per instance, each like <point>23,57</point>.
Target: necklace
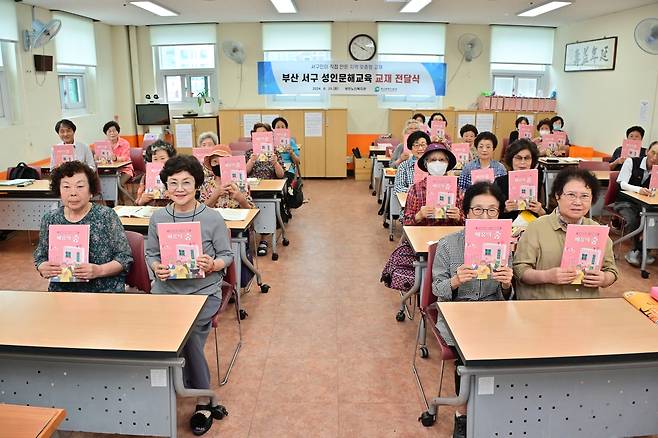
<point>173,211</point>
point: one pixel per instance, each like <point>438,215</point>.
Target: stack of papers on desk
<point>135,211</point>
<point>233,214</point>
<point>253,181</point>
<point>16,182</point>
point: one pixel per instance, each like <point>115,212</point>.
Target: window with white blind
<point>519,56</point>
<point>185,62</point>
<point>411,42</point>
<point>284,42</point>
<point>8,39</point>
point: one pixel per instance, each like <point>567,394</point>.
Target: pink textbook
<point>548,143</point>
<point>486,174</point>
<point>487,245</point>
<point>103,152</point>
<point>631,148</point>
<point>68,246</point>
<point>419,175</point>
<point>462,152</point>
<point>180,247</point>
<point>560,138</point>
<point>526,131</point>
<point>63,153</point>
<point>201,153</point>
<point>441,194</point>
<point>438,129</point>
<point>523,187</point>
<point>263,144</point>
<point>584,247</point>
<point>153,184</point>
<point>281,139</point>
<point>234,170</point>
<point>653,182</point>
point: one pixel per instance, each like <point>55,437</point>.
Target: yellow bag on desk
<point>643,302</point>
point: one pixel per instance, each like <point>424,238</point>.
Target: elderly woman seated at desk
<point>109,253</point>
<point>217,195</point>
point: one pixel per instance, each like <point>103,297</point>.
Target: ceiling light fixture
<point>284,6</point>
<point>543,8</point>
<point>155,9</point>
<point>414,6</point>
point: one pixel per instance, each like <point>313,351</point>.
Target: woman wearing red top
<point>121,152</point>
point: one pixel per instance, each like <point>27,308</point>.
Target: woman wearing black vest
<point>635,177</point>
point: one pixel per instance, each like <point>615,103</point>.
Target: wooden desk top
<point>377,148</point>
<point>40,185</point>
<point>115,165</point>
<point>601,175</point>
<point>383,158</point>
<point>647,200</point>
<point>95,324</point>
<point>419,236</point>
<point>269,185</point>
<point>500,332</point>
<point>402,198</point>
<point>390,172</point>
<point>29,421</point>
<point>143,222</point>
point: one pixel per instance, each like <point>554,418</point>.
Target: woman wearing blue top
<point>485,143</point>
<point>291,154</point>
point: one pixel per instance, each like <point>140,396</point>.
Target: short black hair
<point>415,136</point>
<point>482,188</point>
<point>261,125</point>
<point>546,122</point>
<point>653,143</point>
<point>570,173</point>
<point>468,128</point>
<point>159,144</point>
<point>65,123</point>
<point>279,119</point>
<point>518,146</point>
<point>183,163</point>
<point>486,135</point>
<point>70,168</point>
<point>557,119</point>
<point>635,129</point>
<point>421,115</point>
<point>521,119</point>
<point>111,124</point>
<point>434,116</point>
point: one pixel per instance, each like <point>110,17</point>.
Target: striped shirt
<point>404,178</point>
<point>464,181</point>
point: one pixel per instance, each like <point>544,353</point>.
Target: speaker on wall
<point>43,63</point>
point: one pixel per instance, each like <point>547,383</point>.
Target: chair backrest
<point>137,158</point>
<point>613,189</point>
<point>138,276</point>
<point>391,140</point>
<point>240,147</point>
<point>576,151</point>
<point>230,284</point>
<point>244,139</point>
<point>594,165</point>
<point>503,149</point>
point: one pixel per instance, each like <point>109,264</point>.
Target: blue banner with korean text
<point>352,78</point>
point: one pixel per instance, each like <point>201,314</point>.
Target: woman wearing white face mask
<point>436,160</point>
<point>544,127</point>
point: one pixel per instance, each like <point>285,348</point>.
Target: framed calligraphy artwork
<point>591,55</point>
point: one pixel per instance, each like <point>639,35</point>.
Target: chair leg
<point>224,381</point>
<point>414,369</point>
<point>219,376</point>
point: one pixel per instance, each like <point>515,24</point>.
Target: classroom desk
<point>379,162</point>
<point>108,175</point>
<point>649,205</point>
<point>21,208</point>
<point>419,237</point>
<point>391,205</point>
<point>29,421</point>
<point>267,195</point>
<point>402,199</point>
<point>551,166</point>
<point>554,368</point>
<point>111,360</point>
<point>602,175</point>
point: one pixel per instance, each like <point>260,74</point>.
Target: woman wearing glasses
<point>539,251</point>
<point>183,175</point>
<point>454,281</point>
<point>417,143</point>
<point>485,143</point>
<point>159,151</point>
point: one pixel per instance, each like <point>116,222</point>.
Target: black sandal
<point>218,412</point>
<point>201,421</point>
<point>262,248</point>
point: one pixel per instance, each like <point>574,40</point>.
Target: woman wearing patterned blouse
<point>109,253</point>
<point>270,169</point>
<point>216,195</point>
<point>485,143</point>
<point>417,143</point>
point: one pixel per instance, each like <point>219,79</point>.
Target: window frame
<point>64,74</point>
<point>517,72</point>
<point>5,102</point>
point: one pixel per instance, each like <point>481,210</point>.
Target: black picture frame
<point>589,55</point>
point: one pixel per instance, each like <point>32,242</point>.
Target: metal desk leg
<point>391,222</point>
<point>373,160</point>
<point>411,293</point>
<point>264,288</point>
<point>429,417</point>
<point>634,233</point>
<point>387,205</point>
<point>643,264</point>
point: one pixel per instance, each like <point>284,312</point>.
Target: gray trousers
<point>196,374</point>
<point>631,214</point>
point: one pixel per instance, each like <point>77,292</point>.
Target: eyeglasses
<point>479,211</point>
<point>185,185</point>
<point>521,158</point>
<point>583,197</point>
<point>419,145</point>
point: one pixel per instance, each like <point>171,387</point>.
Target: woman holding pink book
<point>217,195</point>
<point>485,143</point>
<point>121,152</point>
<point>109,255</point>
<point>157,152</point>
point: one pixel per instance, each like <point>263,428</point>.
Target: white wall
<point>598,107</point>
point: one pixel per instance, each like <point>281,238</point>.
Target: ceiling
<point>450,11</point>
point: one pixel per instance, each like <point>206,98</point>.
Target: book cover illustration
<point>234,170</point>
<point>631,148</point>
<point>281,139</point>
<point>103,152</point>
<point>63,153</point>
<point>523,187</point>
<point>526,131</point>
<point>263,145</point>
<point>643,302</point>
<point>201,153</point>
<point>584,248</point>
<point>180,247</point>
<point>486,174</point>
<point>441,194</point>
<point>487,245</point>
<point>154,184</point>
<point>68,246</point>
<point>548,144</point>
<point>419,174</point>
<point>462,152</point>
<point>653,180</point>
<point>560,138</point>
<point>438,129</point>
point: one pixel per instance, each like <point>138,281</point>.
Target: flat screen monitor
<point>152,114</point>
